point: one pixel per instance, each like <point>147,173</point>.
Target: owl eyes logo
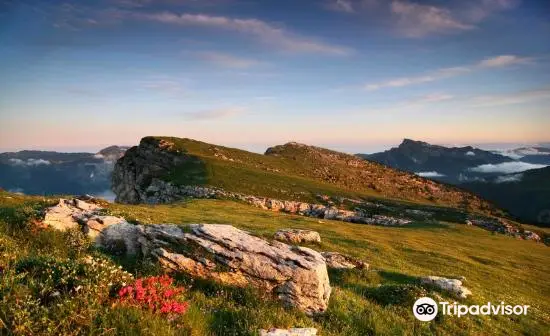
<point>425,309</point>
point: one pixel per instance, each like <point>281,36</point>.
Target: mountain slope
<point>289,172</point>
<point>525,195</point>
<point>446,164</point>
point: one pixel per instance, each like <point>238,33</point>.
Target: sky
<point>351,75</point>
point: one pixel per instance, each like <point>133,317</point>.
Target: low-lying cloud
<point>506,167</point>
<point>509,178</point>
<point>29,162</point>
<point>429,174</point>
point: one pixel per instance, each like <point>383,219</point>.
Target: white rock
<point>452,285</point>
<point>75,213</point>
<point>296,275</point>
<point>297,236</point>
<point>337,260</point>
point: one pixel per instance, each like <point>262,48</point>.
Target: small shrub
<point>396,294</point>
<point>41,294</point>
<point>77,242</point>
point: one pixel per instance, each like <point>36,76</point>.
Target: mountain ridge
<point>288,172</point>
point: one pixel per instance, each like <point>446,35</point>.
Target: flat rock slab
<point>337,260</point>
<point>451,285</point>
<point>289,332</point>
<point>297,236</point>
<point>296,275</point>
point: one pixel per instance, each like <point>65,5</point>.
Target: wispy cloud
<point>431,98</point>
<point>480,10</point>
<point>416,20</point>
<point>263,31</point>
<point>345,6</point>
<point>494,62</point>
<point>75,17</point>
<point>162,85</point>
<point>425,78</point>
<point>215,113</point>
<point>511,98</point>
<point>146,3</point>
<point>503,61</point>
<point>229,61</point>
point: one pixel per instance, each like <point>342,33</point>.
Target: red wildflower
<point>154,293</point>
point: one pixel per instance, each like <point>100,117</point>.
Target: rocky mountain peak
<point>413,143</point>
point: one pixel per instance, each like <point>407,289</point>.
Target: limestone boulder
<point>337,260</point>
<point>295,275</point>
<point>296,236</point>
<point>78,214</point>
<point>453,286</point>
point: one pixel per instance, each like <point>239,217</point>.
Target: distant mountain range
<point>47,173</point>
<point>458,165</point>
<point>516,179</point>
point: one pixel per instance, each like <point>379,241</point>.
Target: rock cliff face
<point>134,172</point>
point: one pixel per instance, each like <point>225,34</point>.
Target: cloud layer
<point>29,162</point>
<point>506,167</point>
<point>509,178</point>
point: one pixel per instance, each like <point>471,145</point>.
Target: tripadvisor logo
<point>426,309</point>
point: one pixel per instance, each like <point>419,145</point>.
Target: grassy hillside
<point>497,268</point>
<point>299,172</point>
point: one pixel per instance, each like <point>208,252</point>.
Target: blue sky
<point>353,75</point>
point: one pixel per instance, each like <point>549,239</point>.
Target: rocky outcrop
<point>134,172</point>
<point>159,191</point>
<point>296,275</point>
<point>503,227</point>
<point>77,214</point>
<point>337,260</point>
<point>296,236</point>
<point>453,286</point>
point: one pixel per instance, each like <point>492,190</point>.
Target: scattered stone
<point>452,285</point>
<point>529,235</point>
<point>289,332</point>
<point>503,227</point>
<point>75,213</point>
<point>296,275</point>
<point>159,191</point>
<point>296,236</point>
<point>337,260</point>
